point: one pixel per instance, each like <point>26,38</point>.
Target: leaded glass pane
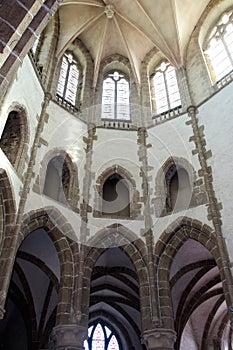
<point>62,77</point>
<point>220,47</point>
<point>166,91</point>
<point>101,337</point>
<point>68,79</point>
<point>113,344</point>
<point>115,97</point>
<point>98,340</point>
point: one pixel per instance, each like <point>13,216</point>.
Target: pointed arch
<point>57,167</point>
<point>188,265</point>
<point>57,228</point>
<point>118,172</point>
<point>174,187</point>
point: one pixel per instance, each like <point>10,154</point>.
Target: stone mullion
<point>147,231</point>
<point>85,209</point>
<point>213,208</point>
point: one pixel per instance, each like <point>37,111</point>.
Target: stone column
<point>159,339</point>
<point>68,337</point>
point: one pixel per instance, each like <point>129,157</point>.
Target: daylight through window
<point>68,79</point>
<point>100,337</point>
<point>165,91</point>
<point>115,97</point>
<point>219,49</point>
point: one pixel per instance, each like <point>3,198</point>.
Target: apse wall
<point>216,116</point>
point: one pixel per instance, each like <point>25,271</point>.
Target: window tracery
<point>115,96</point>
<point>68,81</point>
<point>219,48</point>
<point>101,337</point>
<point>165,91</point>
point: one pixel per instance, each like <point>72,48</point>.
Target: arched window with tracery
<point>101,337</point>
<point>67,87</point>
<point>115,96</point>
<point>218,48</point>
<point>164,88</point>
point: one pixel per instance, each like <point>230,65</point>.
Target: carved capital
<point>68,337</point>
<point>159,339</point>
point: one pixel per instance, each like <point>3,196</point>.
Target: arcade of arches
<point>116,175</point>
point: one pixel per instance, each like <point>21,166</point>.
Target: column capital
<point>68,337</point>
<point>159,339</point>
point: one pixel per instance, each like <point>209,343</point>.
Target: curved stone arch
<point>7,207</point>
<point>20,156</point>
<point>53,222</point>
<point>169,243</point>
<point>125,174</point>
<point>119,236</point>
<point>73,188</point>
<point>161,192</point>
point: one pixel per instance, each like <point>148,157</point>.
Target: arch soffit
<point>208,19</point>
<point>114,169</point>
<point>55,153</point>
<point>179,232</point>
<point>8,197</point>
<point>177,161</point>
<point>55,224</point>
<point>113,236</point>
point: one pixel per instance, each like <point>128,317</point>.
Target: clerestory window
<point>219,48</point>
<point>115,96</point>
<point>67,86</point>
<point>101,337</point>
<point>165,91</point>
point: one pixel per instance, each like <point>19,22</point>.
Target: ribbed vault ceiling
<point>130,28</point>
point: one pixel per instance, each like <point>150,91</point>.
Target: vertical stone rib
<point>213,209</point>
<point>85,208</point>
<point>147,232</point>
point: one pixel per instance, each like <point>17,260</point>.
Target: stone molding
<point>161,339</point>
<point>68,337</point>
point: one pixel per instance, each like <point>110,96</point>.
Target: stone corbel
<point>159,339</point>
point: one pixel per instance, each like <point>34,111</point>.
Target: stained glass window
<point>101,337</point>
<point>165,91</point>
<point>115,97</point>
<point>219,49</point>
<point>68,79</point>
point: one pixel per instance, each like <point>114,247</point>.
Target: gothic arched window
<point>101,337</point>
<point>219,48</point>
<point>115,96</point>
<point>165,91</point>
<point>67,86</point>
